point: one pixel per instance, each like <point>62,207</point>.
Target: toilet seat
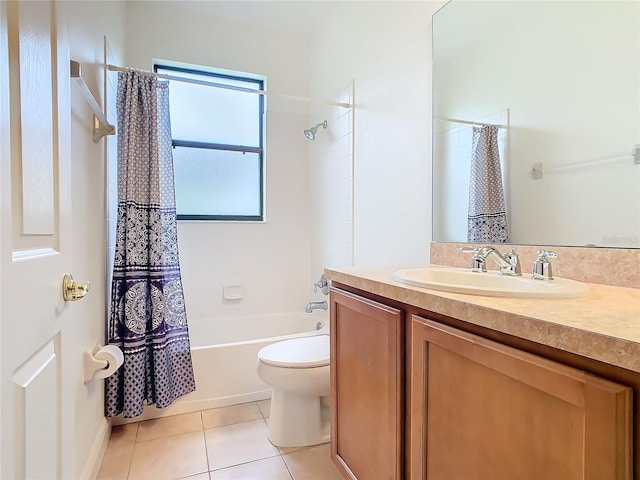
<point>306,352</point>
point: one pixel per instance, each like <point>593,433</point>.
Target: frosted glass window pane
<point>201,113</point>
<point>217,182</point>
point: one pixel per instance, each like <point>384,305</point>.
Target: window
<point>218,146</point>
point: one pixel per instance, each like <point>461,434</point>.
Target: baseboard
<point>186,406</point>
<point>96,453</point>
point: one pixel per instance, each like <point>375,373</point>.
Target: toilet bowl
<point>297,371</point>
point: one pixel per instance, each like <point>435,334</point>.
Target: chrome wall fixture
<point>101,125</point>
<point>537,169</point>
<point>311,133</point>
<point>322,284</point>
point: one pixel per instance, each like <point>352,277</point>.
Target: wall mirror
<point>562,82</point>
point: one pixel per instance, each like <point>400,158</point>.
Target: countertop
<point>603,325</point>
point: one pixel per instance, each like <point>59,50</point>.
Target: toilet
<point>297,371</point>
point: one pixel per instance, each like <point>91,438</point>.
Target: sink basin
<point>491,284</point>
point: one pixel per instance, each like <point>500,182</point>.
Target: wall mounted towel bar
<point>537,170</point>
<point>101,125</point>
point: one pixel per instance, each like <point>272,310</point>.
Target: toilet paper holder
<point>95,367</point>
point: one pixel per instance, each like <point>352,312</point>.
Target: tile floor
<point>228,443</point>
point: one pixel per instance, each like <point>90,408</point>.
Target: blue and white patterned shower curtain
<point>148,318</point>
<point>487,222</point>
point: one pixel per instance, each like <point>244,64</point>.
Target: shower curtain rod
<point>114,68</point>
<point>469,122</point>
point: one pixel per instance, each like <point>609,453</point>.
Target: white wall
<point>331,186</point>
<point>270,259</point>
<point>385,47</point>
<point>88,23</point>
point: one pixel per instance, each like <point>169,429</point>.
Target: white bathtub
<point>224,353</point>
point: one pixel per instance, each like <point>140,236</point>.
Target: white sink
<point>491,284</point>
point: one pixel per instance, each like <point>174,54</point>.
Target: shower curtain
<point>147,317</point>
<point>487,221</point>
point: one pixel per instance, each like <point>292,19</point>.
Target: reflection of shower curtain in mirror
<point>487,210</point>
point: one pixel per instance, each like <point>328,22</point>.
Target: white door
<point>37,396</point>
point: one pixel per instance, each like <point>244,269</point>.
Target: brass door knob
<point>72,290</point>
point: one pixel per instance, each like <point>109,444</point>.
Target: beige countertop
<point>603,325</point>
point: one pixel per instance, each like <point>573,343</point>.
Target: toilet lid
<point>303,352</point>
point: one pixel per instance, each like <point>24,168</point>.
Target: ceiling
<point>297,17</point>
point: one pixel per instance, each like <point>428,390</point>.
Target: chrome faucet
<point>322,284</point>
<point>508,263</point>
<point>311,306</point>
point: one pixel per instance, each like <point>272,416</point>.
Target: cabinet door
<point>482,410</point>
<point>366,387</point>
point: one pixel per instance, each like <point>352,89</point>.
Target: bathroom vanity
<point>438,385</point>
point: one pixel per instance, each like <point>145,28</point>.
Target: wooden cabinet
<point>366,388</point>
<point>482,410</point>
<point>415,397</point>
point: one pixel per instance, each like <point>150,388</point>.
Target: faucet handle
<point>542,267</point>
<point>512,257</point>
<point>477,262</point>
<point>322,284</point>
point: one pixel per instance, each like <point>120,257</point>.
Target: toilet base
<point>296,420</point>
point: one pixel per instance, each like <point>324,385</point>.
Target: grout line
<point>194,475</point>
<point>133,450</point>
<point>169,436</point>
<point>206,448</point>
<point>135,439</point>
<point>286,465</point>
<point>244,463</point>
<point>231,424</point>
<point>261,412</point>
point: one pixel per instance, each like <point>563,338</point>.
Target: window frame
<point>259,150</point>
